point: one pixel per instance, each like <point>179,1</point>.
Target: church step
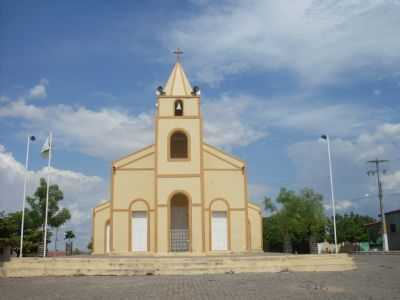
<point>117,266</point>
<point>169,265</point>
<point>17,272</point>
<point>177,259</point>
<point>166,264</point>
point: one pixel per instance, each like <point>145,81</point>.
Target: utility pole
<point>380,194</point>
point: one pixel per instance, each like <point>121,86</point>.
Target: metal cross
<point>178,52</point>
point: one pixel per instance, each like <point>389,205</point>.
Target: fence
<point>179,240</point>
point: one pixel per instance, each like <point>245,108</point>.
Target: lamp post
<point>30,138</point>
<point>326,137</point>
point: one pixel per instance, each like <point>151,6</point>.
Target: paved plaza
<point>376,277</point>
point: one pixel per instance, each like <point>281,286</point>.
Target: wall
<point>133,179</point>
<point>209,174</point>
<point>255,220</point>
<point>224,178</point>
<point>166,188</point>
<point>165,128</point>
<point>101,214</point>
<point>394,237</point>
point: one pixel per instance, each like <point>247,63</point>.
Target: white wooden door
<point>219,227</point>
<point>139,231</point>
<point>108,235</point>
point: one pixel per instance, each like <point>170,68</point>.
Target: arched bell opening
<point>178,108</point>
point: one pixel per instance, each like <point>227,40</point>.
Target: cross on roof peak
<point>178,52</point>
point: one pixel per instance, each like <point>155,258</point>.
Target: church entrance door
<point>139,231</point>
<point>219,227</point>
<point>179,223</point>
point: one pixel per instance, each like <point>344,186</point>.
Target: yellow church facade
<point>179,194</point>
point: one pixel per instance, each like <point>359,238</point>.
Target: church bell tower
<point>178,125</point>
<point>179,159</point>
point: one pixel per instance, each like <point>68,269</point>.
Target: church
<point>179,194</point>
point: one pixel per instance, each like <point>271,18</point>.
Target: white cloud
<point>229,123</point>
<point>105,133</point>
<point>81,192</point>
<point>39,91</point>
<point>314,117</point>
<point>20,109</point>
<point>340,206</point>
<point>109,133</point>
<point>350,156</point>
<point>244,119</point>
<point>383,132</point>
<point>392,181</point>
<point>318,40</point>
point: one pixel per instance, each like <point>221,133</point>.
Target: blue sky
<point>274,76</point>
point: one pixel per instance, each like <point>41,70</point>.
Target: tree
<point>269,205</point>
<point>272,234</point>
<point>300,221</point>
<point>58,221</point>
<point>56,215</point>
<point>69,235</point>
<point>9,229</point>
<point>90,245</point>
<point>10,224</point>
<point>350,228</point>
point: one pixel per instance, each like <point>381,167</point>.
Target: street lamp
<point>31,138</point>
<point>326,137</point>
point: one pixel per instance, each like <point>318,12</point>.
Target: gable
<point>142,159</point>
<point>214,162</point>
<point>217,159</point>
<point>145,162</point>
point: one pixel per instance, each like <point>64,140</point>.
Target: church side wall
<point>230,186</point>
<point>129,186</point>
<point>101,216</point>
<point>255,228</point>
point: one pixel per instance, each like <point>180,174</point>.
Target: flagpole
<point>47,195</point>
<point>30,137</point>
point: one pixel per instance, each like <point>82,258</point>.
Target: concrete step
<point>152,260</point>
<point>112,266</point>
<point>136,264</point>
<point>68,266</point>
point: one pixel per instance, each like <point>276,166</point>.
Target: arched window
<point>178,145</point>
<point>178,108</point>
